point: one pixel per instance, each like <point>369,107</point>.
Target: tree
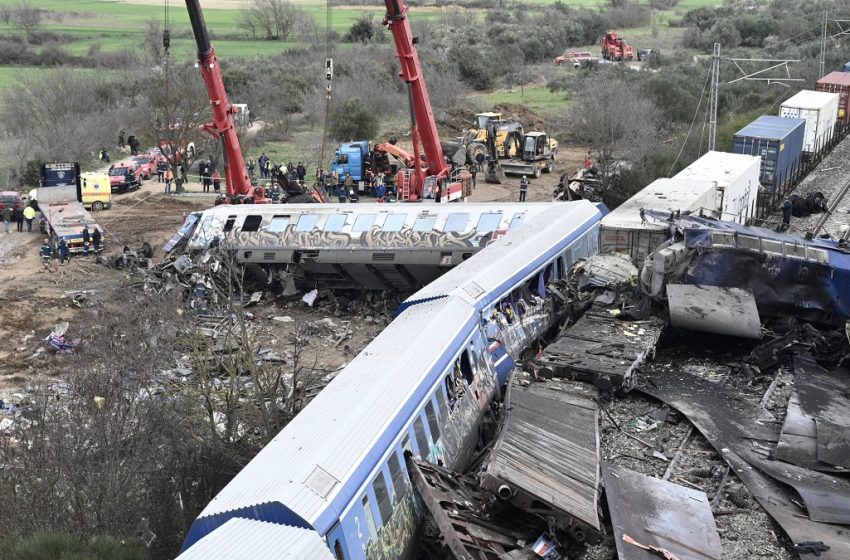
<point>27,17</point>
<point>608,117</point>
<point>361,30</point>
<point>353,121</point>
<point>272,19</point>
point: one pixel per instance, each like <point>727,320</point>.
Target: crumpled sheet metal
<point>727,420</point>
<point>658,513</point>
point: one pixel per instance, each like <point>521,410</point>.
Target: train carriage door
<point>337,544</point>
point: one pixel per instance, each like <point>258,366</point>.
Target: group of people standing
<point>19,216</point>
<point>92,242</point>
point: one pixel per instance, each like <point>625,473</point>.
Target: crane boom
<point>423,127</point>
<point>222,127</point>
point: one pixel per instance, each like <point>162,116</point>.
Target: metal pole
<point>823,44</point>
<point>715,78</point>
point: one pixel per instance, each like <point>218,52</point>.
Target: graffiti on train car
<point>374,238</point>
<point>396,535</point>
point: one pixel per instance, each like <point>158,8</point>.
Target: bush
<point>44,546</point>
<point>353,121</point>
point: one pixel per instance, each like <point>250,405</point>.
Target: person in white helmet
<point>523,188</point>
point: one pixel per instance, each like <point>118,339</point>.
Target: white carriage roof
<point>249,539</point>
<point>513,257</point>
<point>317,463</point>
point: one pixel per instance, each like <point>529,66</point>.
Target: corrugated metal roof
<point>839,78</point>
<point>808,99</point>
<point>662,195</point>
<point>721,167</point>
<point>320,459</point>
<point>486,275</point>
<point>247,539</point>
<point>771,127</point>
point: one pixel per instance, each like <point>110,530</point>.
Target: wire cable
<point>696,112</point>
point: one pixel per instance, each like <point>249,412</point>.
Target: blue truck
<point>779,142</point>
<point>353,158</point>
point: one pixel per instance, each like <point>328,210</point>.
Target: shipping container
<point>624,230</point>
<point>837,82</point>
<point>737,178</point>
<point>779,143</point>
<point>820,111</point>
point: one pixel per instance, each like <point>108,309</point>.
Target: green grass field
<point>536,98</point>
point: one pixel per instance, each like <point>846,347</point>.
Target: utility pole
<point>713,93</point>
<point>823,43</point>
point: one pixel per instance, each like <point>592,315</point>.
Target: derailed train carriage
<point>333,483</point>
<point>367,246</point>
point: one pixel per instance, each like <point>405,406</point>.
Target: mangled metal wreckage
<point>786,274</point>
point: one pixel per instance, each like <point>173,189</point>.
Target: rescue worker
<point>787,207</point>
<point>168,177</point>
<point>523,188</point>
<point>86,238</point>
<point>302,172</point>
<point>95,238</point>
<point>18,218</point>
<point>46,252</point>
<point>64,251</point>
<point>588,161</point>
<point>251,164</point>
<point>7,218</point>
<point>206,176</point>
<point>103,155</point>
<point>268,167</point>
<point>216,179</point>
<point>161,166</point>
<point>352,196</point>
<point>29,215</point>
<point>262,163</point>
<point>121,134</point>
<point>479,160</point>
<point>473,170</point>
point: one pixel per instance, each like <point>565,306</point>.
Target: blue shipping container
<point>779,142</point>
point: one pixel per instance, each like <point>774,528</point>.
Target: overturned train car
<point>787,275</point>
<point>366,246</point>
<point>333,484</point>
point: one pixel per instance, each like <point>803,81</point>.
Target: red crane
<point>434,174</point>
<point>222,126</point>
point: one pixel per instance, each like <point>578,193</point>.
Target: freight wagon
<point>737,179</point>
<point>779,143</point>
<point>624,229</point>
<point>820,111</point>
<point>837,82</point>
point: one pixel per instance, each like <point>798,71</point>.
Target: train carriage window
<point>339,554</point>
<point>382,494</point>
<point>307,222</point>
<point>370,518</point>
<point>405,444</point>
<point>278,224</point>
<point>398,476</point>
<point>252,223</point>
<point>421,437</point>
<point>456,223</point>
<point>466,367</point>
<point>394,222</point>
<point>441,402</point>
<point>228,223</point>
<point>433,421</point>
<point>424,224</point>
<point>335,223</point>
<point>489,222</point>
<point>516,221</point>
<point>363,222</point>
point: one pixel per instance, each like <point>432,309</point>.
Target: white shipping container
<point>737,179</point>
<point>623,230</point>
<point>820,111</point>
